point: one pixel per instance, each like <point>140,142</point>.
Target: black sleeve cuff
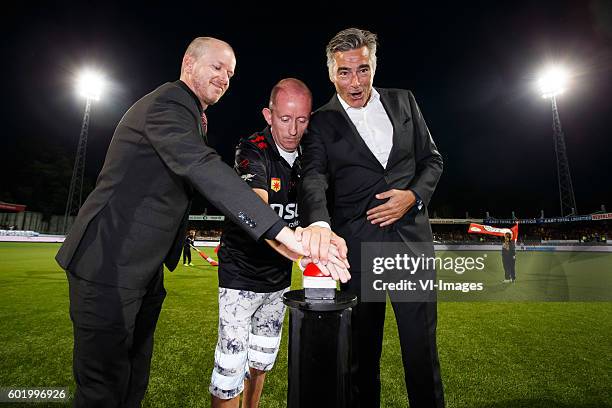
<point>275,229</point>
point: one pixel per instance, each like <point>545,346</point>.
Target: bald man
<point>252,276</point>
<point>135,220</point>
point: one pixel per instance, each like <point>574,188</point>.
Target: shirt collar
<point>288,156</point>
<point>278,152</point>
<point>267,132</point>
<point>374,96</point>
<point>190,92</point>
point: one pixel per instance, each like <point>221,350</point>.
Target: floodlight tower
<point>90,86</point>
<point>552,83</point>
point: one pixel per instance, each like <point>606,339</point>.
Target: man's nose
<point>225,78</point>
<point>354,80</point>
<point>293,128</point>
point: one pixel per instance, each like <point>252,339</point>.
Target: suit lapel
<point>394,114</point>
<point>196,107</point>
<point>352,133</point>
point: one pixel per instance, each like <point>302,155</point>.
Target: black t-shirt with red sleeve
<point>246,264</point>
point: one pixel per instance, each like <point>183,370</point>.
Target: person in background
<point>509,258</point>
<point>189,240</point>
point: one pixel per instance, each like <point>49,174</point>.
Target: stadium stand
<point>577,232</point>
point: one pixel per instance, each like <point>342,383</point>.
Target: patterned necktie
<point>204,123</point>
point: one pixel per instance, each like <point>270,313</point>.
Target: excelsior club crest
<point>275,184</point>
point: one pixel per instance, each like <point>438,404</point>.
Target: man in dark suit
<point>135,220</point>
<point>370,168</point>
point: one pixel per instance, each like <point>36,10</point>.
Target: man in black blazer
<point>370,168</point>
<point>135,220</point>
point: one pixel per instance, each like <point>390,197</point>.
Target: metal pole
<point>75,193</point>
<point>564,179</point>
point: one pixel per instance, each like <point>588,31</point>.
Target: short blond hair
<point>198,47</point>
<point>289,85</point>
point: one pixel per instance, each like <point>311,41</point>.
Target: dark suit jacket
<point>136,217</point>
<point>341,175</point>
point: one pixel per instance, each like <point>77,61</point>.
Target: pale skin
<point>352,75</point>
<point>399,203</point>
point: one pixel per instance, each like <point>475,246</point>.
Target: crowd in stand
<point>594,232</point>
<point>213,234</point>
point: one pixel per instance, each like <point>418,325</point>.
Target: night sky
<point>472,68</point>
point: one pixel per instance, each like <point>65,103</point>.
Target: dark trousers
<point>416,322</point>
<point>113,341</point>
<point>509,264</point>
<point>186,255</point>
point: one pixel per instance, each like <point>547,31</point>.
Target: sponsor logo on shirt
<point>247,177</point>
<point>286,212</point>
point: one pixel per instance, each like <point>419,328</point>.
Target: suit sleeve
<point>315,177</point>
<point>428,159</point>
<point>172,130</point>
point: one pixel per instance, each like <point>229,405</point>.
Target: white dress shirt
<point>373,125</point>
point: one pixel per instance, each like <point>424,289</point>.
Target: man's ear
<point>267,114</point>
<point>331,73</point>
<point>187,64</point>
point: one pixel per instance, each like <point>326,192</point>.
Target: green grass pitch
<point>493,354</point>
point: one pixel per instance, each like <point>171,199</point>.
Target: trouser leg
<point>235,312</point>
<point>110,346</point>
<point>507,273</point>
<point>368,319</point>
<point>416,323</point>
<point>141,351</point>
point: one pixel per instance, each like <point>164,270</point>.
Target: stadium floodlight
<point>553,81</point>
<point>90,85</point>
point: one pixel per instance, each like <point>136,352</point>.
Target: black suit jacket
<point>341,175</point>
<point>136,217</point>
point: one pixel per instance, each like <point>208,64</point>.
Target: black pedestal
<point>319,350</point>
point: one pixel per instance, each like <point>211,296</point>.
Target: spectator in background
<point>189,240</point>
<point>509,258</point>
